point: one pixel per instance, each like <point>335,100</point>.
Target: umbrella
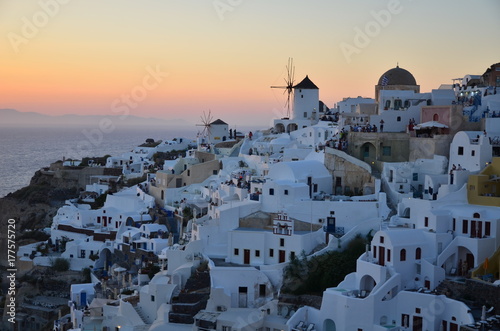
<point>430,124</point>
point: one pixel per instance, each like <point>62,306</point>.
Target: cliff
<point>33,207</point>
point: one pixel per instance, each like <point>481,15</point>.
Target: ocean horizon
<point>25,150</point>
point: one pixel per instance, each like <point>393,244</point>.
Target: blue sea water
<point>25,150</point>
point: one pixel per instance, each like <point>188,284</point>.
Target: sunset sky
<point>88,56</point>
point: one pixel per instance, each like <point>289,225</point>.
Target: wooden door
<point>246,256</point>
<point>282,256</point>
<point>417,323</point>
<point>381,255</point>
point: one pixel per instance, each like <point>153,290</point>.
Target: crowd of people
<point>363,128</point>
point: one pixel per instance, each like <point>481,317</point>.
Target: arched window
<point>418,253</point>
<point>407,103</point>
<point>435,117</point>
<point>402,255</point>
<point>476,215</point>
<point>387,104</point>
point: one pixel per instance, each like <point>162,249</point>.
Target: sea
<point>23,151</point>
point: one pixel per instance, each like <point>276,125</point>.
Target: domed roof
<point>397,76</point>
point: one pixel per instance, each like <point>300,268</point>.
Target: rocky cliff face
<point>33,207</point>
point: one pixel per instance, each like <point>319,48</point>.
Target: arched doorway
<point>329,325</point>
<point>291,127</point>
<point>279,127</point>
<point>105,259</point>
<point>466,260</point>
<point>367,284</point>
<point>368,152</point>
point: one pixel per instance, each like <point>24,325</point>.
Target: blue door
<point>83,298</point>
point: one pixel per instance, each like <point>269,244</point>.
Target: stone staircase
<point>141,314</point>
<point>191,300</point>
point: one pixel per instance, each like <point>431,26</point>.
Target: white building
<point>470,150</point>
<point>306,107</point>
<point>289,182</point>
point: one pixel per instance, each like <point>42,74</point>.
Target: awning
<point>430,124</point>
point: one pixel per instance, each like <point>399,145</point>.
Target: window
<point>315,187</point>
<point>415,176</point>
<point>257,253</point>
<point>417,310</point>
<point>487,228</point>
<point>418,253</point>
<point>305,114</point>
<point>292,255</point>
<point>271,191</point>
<point>214,172</point>
<point>262,290</point>
<point>405,320</point>
<point>381,240</point>
<point>152,298</point>
<point>286,192</point>
<point>82,253</point>
<point>386,150</point>
<point>282,242</point>
<point>226,328</point>
<point>426,221</point>
<point>388,255</point>
<point>398,118</point>
<point>236,251</point>
<point>402,255</point>
<point>476,215</point>
<point>473,153</point>
<point>374,252</point>
<point>460,150</point>
<point>387,104</point>
<point>271,252</point>
<point>454,225</point>
<point>397,105</point>
<point>189,172</point>
<point>465,226</point>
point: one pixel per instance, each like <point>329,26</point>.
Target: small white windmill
<point>204,137</point>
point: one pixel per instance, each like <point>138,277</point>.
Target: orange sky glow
<point>79,57</point>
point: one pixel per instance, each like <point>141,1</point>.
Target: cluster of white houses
<point>243,208</point>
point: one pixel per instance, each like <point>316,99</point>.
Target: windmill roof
<point>218,121</point>
<point>306,83</point>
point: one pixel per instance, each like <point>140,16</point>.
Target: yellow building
<point>484,188</point>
